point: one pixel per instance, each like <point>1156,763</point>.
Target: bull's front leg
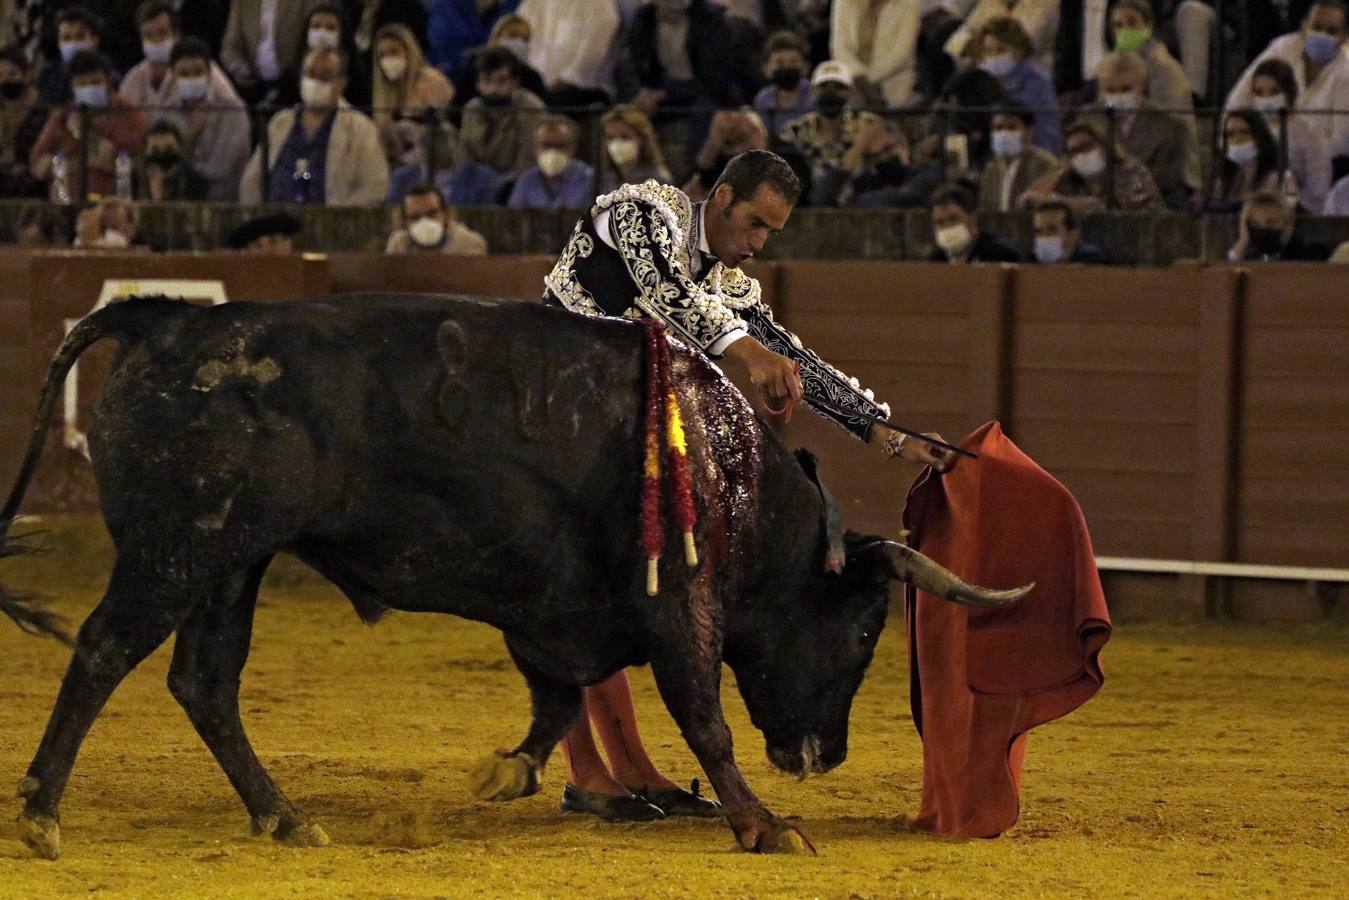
<point>690,685</point>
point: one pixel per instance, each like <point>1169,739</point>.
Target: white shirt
<point>1330,90</point>
<point>268,67</point>
<point>573,42</point>
<point>735,334</point>
<point>894,45</point>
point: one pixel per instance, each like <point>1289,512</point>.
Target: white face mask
<point>393,67</point>
<point>1007,144</point>
<point>322,39</point>
<point>1049,249</point>
<point>1270,104</point>
<point>94,96</point>
<point>1125,102</point>
<point>427,232</point>
<point>518,46</point>
<point>191,89</point>
<point>552,162</point>
<point>70,48</point>
<point>953,238</point>
<point>623,151</point>
<point>1243,154</point>
<point>998,66</point>
<point>157,53</point>
<point>315,92</point>
<point>1089,164</point>
<point>115,239</point>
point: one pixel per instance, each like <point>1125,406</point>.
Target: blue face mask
<point>1007,144</point>
<point>998,66</point>
<point>70,48</point>
<point>1049,249</point>
<point>1320,48</point>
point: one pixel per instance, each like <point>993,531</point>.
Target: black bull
<point>460,455</point>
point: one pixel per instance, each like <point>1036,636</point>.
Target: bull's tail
<point>128,319</point>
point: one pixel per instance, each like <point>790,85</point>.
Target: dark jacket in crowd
<point>986,248</point>
<point>710,47</point>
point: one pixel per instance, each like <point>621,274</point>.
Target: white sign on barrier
<point>209,290</point>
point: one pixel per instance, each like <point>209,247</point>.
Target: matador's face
<point>737,229</point>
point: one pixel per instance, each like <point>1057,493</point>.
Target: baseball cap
<point>831,71</point>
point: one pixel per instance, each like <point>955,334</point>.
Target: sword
<point>889,426</point>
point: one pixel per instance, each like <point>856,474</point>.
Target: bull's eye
<point>866,635</point>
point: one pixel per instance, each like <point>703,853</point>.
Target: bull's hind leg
<point>208,659</point>
<point>136,615</point>
<point>508,775</point>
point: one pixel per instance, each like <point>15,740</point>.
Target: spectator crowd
<point>962,107</point>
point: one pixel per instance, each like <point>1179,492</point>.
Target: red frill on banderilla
<point>663,416</point>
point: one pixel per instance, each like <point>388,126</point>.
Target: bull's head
<point>800,668</point>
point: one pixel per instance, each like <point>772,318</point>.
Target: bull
<point>464,455</point>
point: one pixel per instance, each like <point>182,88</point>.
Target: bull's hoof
<point>42,834</point>
<point>502,777</point>
<point>776,836</point>
<point>290,832</point>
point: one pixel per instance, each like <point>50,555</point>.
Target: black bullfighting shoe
<point>679,802</point>
<point>609,807</point>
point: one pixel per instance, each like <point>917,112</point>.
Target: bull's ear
<point>865,553</point>
<point>835,553</point>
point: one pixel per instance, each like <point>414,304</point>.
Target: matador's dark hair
<point>746,172</point>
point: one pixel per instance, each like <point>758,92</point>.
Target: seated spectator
<point>1305,148</point>
<point>211,117</point>
<point>264,43</point>
<point>454,28</point>
<point>498,124</point>
<point>570,47</point>
<point>878,43</point>
<point>148,84</point>
<point>272,234</point>
<point>1016,163</point>
<point>326,29</point>
<point>955,230</point>
<point>431,227</point>
<point>376,14</point>
<point>631,153</point>
<point>1058,236</point>
<point>21,120</point>
<point>1250,163</point>
<point>38,227</point>
<point>1266,233</point>
<point>558,180</point>
<point>165,175</point>
<point>513,33</point>
<point>117,127</point>
<point>1084,176</point>
<point>405,88</point>
<point>1321,67</point>
<point>877,172</point>
<point>323,151</point>
<point>462,181</point>
<point>1157,139</point>
<point>963,125</point>
<point>682,54</point>
<point>1038,20</point>
<point>1007,54</point>
<point>77,29</point>
<point>107,225</point>
<point>787,68</point>
<point>732,133</point>
<point>1132,23</point>
<point>824,135</point>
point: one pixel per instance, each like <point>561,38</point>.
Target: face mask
<point>953,238</point>
<point>94,96</point>
<point>1127,102</point>
<point>12,90</point>
<point>1131,39</point>
<point>1266,241</point>
<point>115,239</point>
<point>70,48</point>
<point>191,89</point>
<point>623,151</point>
<point>998,66</point>
<point>1270,104</point>
<point>1089,165</point>
<point>786,79</point>
<point>1007,144</point>
<point>1049,249</point>
<point>831,105</point>
<point>427,232</point>
<point>1320,48</point>
<point>518,46</point>
<point>164,159</point>
<point>315,92</point>
<point>1242,154</point>
<point>552,162</point>
<point>393,67</point>
<point>322,39</point>
<point>158,53</point>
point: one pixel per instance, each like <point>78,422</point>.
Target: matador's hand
<point>921,452</point>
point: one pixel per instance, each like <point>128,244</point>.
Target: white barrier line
<point>1235,570</point>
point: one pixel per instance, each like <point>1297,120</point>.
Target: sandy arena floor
<point>1215,762</point>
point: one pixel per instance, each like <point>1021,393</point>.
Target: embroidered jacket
<point>650,265</point>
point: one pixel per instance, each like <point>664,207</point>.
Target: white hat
<point>831,71</point>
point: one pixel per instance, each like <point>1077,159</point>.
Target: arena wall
<point>1197,413</point>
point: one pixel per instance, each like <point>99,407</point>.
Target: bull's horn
<point>907,564</point>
